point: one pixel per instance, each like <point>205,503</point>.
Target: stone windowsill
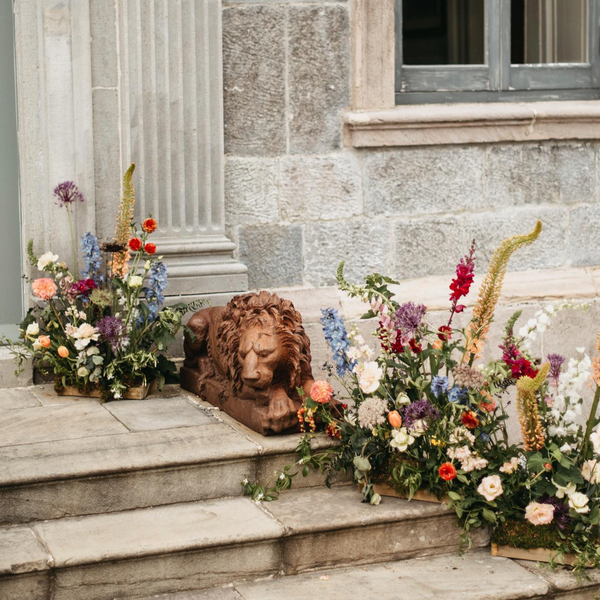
<point>435,124</point>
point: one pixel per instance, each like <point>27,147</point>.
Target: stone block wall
<point>298,202</point>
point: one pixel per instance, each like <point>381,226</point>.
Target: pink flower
<point>321,392</point>
<point>539,514</point>
<point>490,487</point>
<point>44,288</point>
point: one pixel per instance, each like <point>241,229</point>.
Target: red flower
<point>447,471</point>
<point>149,225</point>
<point>519,365</point>
<point>135,244</point>
<point>415,346</point>
<point>461,284</point>
<point>445,333</point>
<point>459,308</point>
<point>470,420</point>
<point>150,248</point>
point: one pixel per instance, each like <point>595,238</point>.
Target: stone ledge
<point>437,124</point>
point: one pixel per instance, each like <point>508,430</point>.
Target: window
<point>496,50</point>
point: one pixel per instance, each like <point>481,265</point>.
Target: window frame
<point>498,80</point>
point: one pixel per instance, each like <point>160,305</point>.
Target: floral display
<point>426,415</point>
<point>103,327</point>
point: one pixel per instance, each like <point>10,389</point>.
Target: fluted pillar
<point>171,103</point>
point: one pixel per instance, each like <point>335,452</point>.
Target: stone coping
<point>471,123</point>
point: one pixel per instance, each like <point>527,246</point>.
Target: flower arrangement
<point>426,416</point>
<point>104,330</point>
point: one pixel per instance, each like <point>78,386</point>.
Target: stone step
<point>197,545</point>
<point>474,576</point>
<point>68,456</point>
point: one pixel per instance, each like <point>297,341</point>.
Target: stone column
<point>171,103</point>
<point>54,103</point>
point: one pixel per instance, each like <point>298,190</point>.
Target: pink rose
<point>539,514</point>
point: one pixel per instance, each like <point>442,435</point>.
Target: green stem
<point>590,424</point>
<point>72,244</point>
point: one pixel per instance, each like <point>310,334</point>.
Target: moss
<point>521,534</point>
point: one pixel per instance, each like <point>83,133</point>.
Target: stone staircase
<point>137,499</point>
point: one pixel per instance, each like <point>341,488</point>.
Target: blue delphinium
<point>439,385</point>
<point>337,337</point>
<point>458,394</point>
<point>157,282</point>
<point>484,437</point>
<point>92,260</point>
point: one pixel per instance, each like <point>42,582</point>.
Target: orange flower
<point>395,419</point>
<point>488,404</point>
<point>447,471</point>
<point>437,345</point>
<point>44,288</point>
<point>470,420</point>
<point>321,392</point>
<point>150,248</point>
<point>63,352</point>
<point>135,244</point>
<point>44,341</point>
<point>149,225</point>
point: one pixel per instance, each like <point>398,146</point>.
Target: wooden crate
<point>423,496</point>
<point>134,393</point>
<point>533,554</point>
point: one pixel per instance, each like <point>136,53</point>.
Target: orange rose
<point>395,419</point>
<point>62,351</point>
<point>149,225</point>
<point>150,248</point>
<point>44,341</point>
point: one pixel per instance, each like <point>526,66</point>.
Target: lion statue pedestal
<point>249,358</point>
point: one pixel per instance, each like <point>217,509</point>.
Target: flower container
<point>422,495</point>
<point>138,392</point>
<point>544,555</point>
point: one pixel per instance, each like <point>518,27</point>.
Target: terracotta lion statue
<point>249,358</point>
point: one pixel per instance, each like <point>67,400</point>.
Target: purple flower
<point>408,318</point>
<point>112,329</point>
<point>421,409</point>
<point>561,510</point>
<point>556,361</point>
<point>67,193</point>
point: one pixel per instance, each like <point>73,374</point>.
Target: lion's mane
<point>250,309</point>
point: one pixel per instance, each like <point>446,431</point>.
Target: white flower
<point>580,349</point>
<point>375,499</point>
<point>46,259</point>
<point>578,502</point>
<point>135,281</point>
<point>474,463</point>
<point>550,309</point>
<point>402,399</point>
<point>531,324</point>
<point>591,471</point>
<point>147,265</point>
<point>571,488</point>
<point>401,439</point>
<point>510,466</point>
<point>36,344</point>
<point>84,334</point>
<point>595,439</point>
<point>82,372</point>
<point>543,319</point>
<point>490,487</point>
<point>369,377</point>
<point>245,481</point>
<point>565,448</point>
<point>418,428</point>
<point>32,329</point>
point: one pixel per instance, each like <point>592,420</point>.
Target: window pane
<point>549,31</point>
<point>443,32</point>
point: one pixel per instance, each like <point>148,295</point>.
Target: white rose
<point>595,439</point>
<point>578,502</point>
<point>401,439</point>
<point>32,329</point>
<point>490,487</point>
<point>571,488</point>
<point>46,259</point>
<point>591,471</point>
<point>369,377</point>
<point>135,281</point>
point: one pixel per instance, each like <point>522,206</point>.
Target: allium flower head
<point>418,411</point>
<point>409,317</point>
<point>371,412</point>
<point>112,329</point>
<point>556,361</point>
<point>67,193</point>
<point>337,337</point>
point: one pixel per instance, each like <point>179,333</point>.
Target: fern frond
<point>123,224</point>
<point>527,407</point>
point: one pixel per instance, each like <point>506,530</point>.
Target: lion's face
<point>260,354</point>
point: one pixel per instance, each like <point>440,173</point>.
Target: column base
<point>202,265</point>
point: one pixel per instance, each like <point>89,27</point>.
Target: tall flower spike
<point>490,290</point>
<point>529,416</point>
<point>123,225</point>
